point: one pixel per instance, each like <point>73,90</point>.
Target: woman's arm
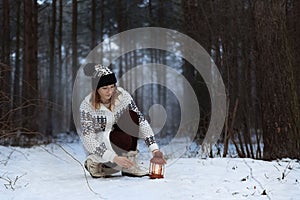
<point>95,146</point>
<point>145,129</point>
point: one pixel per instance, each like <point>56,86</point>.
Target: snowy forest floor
<point>49,172</point>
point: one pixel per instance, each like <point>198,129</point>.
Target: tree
<point>52,65</point>
<point>17,100</point>
<point>6,69</point>
<point>74,50</point>
<point>277,86</point>
<point>294,31</point>
<point>30,69</point>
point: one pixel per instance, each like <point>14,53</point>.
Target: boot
<point>135,170</point>
<point>94,169</point>
<point>98,170</point>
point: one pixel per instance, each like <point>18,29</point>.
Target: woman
<point>111,125</point>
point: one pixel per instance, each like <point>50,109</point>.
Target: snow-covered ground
<point>48,172</point>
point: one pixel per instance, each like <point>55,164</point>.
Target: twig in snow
<point>19,152</point>
<point>251,174</point>
<point>285,173</point>
<point>9,156</point>
<point>11,183</point>
<point>86,179</point>
<point>7,159</point>
<point>52,154</point>
<point>276,167</point>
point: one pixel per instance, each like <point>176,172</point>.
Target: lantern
<point>157,166</point>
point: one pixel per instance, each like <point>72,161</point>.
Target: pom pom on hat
<point>101,75</point>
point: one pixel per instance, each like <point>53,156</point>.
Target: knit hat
<point>101,75</point>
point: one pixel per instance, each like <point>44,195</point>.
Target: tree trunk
<point>93,25</point>
<point>295,40</point>
<point>120,29</point>
<point>30,75</point>
<point>51,87</point>
<point>17,100</point>
<point>278,96</point>
<point>74,52</point>
<point>5,72</point>
<point>102,20</point>
<point>5,56</point>
<point>61,86</point>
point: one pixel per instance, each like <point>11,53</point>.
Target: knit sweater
<point>96,125</point>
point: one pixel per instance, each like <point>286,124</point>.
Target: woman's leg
<point>125,134</point>
<point>120,141</point>
<point>124,141</point>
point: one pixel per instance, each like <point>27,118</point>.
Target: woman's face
<point>106,92</point>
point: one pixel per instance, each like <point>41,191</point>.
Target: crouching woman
<point>111,125</point>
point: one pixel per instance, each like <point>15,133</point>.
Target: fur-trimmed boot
<point>135,170</point>
<point>94,168</point>
<point>98,170</point>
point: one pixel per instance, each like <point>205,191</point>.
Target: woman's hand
<point>123,161</point>
<point>158,158</point>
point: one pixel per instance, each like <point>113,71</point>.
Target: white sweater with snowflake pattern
<point>96,125</point>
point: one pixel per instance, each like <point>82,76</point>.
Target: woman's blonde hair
<point>96,99</point>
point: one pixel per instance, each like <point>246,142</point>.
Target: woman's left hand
<point>158,158</point>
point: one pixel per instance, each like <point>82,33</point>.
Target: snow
<point>50,172</point>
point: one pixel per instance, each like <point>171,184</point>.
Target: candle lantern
<point>157,166</point>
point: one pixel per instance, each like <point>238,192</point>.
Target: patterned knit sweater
<point>97,124</point>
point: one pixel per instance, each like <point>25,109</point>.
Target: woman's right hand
<point>123,161</point>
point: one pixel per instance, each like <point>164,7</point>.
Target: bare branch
<point>85,175</point>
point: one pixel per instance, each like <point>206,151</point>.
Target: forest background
<point>255,45</point>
